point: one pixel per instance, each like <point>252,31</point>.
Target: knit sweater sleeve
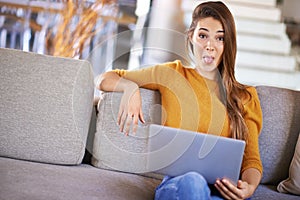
<point>144,77</point>
<point>153,77</point>
<point>253,119</point>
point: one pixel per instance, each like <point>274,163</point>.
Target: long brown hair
<point>234,92</point>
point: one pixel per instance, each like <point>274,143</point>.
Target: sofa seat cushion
<point>46,106</point>
<point>264,192</point>
<point>34,181</point>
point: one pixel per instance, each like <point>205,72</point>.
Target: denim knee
<point>188,186</point>
<point>194,186</point>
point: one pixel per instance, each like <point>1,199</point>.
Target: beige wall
<point>290,9</point>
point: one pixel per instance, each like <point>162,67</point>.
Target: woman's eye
<point>202,36</point>
<point>221,39</point>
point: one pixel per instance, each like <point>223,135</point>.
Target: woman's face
<point>208,46</point>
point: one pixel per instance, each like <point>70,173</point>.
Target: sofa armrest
<point>46,106</point>
<point>112,149</point>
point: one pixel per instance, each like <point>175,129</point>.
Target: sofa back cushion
<point>112,149</point>
<point>281,117</point>
<point>46,105</point>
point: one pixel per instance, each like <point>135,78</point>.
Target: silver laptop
<point>174,152</point>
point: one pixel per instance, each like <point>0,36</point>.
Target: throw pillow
<point>292,183</point>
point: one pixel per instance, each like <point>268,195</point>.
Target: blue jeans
<point>189,186</point>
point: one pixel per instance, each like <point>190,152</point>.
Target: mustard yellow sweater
<point>192,102</point>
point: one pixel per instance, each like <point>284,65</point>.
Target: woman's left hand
<point>228,190</point>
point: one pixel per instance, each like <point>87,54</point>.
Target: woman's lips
<point>208,59</point>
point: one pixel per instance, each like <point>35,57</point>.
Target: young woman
<point>203,97</point>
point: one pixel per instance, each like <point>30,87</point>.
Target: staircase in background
<point>265,54</point>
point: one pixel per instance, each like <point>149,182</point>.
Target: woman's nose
<point>209,46</point>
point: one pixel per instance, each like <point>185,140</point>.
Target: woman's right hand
<point>130,110</point>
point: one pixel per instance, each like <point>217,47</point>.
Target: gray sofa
<point>56,144</point>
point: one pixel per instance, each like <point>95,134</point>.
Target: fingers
<point>224,190</point>
<point>121,120</point>
<point>135,124</point>
<point>130,111</point>
<point>120,113</point>
<point>228,190</point>
<point>128,124</point>
<point>126,121</point>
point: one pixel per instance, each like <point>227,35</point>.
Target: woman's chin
<point>209,66</point>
